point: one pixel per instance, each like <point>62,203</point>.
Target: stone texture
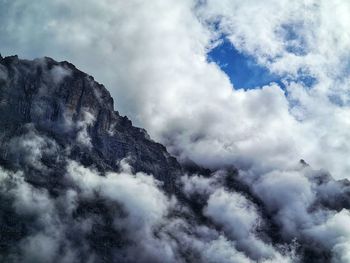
<point>59,101</point>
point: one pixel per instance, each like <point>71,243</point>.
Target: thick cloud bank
<point>125,217</point>
<point>299,215</point>
<point>152,56</point>
<point>296,216</point>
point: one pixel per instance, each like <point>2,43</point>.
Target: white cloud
<point>29,148</point>
<point>335,234</point>
<point>86,121</point>
<point>240,219</point>
<point>59,73</point>
<point>122,187</point>
<point>304,202</point>
<point>38,216</point>
<point>221,250</point>
<point>289,195</point>
<point>273,32</point>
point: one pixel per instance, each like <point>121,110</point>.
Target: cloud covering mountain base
<point>128,217</point>
<point>153,59</point>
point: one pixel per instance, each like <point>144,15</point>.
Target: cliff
<point>56,100</point>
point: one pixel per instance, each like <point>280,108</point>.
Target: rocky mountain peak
<point>55,99</point>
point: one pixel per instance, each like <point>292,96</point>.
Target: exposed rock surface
<point>66,105</point>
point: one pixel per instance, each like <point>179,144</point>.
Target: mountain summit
<point>56,120</point>
<point>55,100</point>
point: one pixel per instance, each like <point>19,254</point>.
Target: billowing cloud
<point>305,204</point>
<point>299,40</point>
<point>129,213</point>
<point>226,216</point>
<point>168,87</point>
<point>143,223</point>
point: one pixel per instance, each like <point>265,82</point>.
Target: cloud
<point>144,204</point>
<point>237,216</point>
<point>28,149</point>
<point>143,224</point>
<point>163,237</point>
<point>59,73</point>
<point>290,194</point>
<point>334,234</point>
<point>83,137</point>
<point>305,205</point>
<point>39,234</point>
<point>304,38</point>
<point>224,215</point>
<point>122,188</point>
<point>55,225</point>
<point>240,219</point>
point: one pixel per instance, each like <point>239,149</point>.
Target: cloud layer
<point>128,218</point>
<point>156,68</point>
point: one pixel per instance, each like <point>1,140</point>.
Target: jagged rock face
<point>51,116</point>
<point>60,102</point>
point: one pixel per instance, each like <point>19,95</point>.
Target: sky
<point>258,85</point>
<point>243,70</point>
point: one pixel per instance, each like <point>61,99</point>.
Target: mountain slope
<point>57,121</point>
<point>58,101</point>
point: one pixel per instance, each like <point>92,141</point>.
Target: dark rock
<point>56,100</point>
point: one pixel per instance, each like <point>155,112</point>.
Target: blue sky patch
<point>242,69</point>
<point>245,73</point>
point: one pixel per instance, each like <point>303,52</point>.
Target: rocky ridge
<point>57,100</point>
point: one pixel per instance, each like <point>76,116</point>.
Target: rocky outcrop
<point>56,100</point>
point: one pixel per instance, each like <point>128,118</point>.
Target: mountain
<point>52,114</point>
<point>80,183</point>
<point>60,102</point>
